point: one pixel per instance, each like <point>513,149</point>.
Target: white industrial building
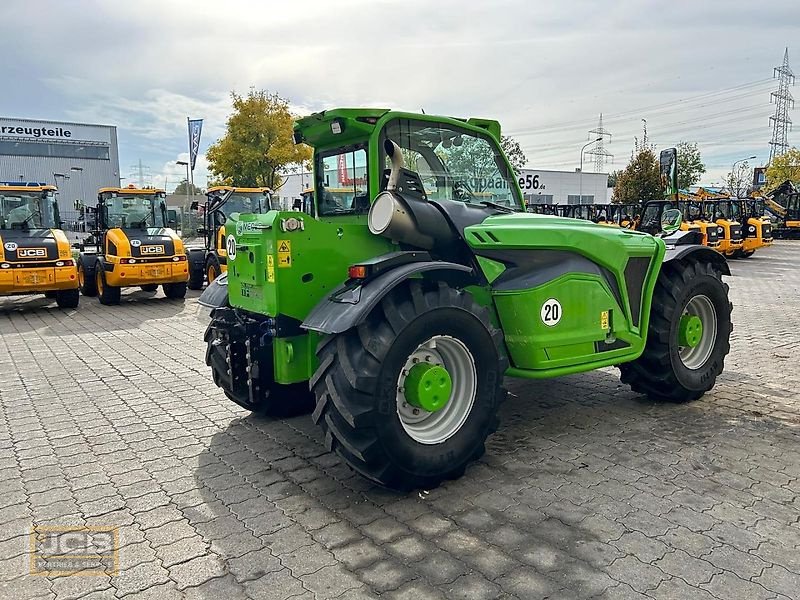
<point>538,187</point>
<point>78,158</point>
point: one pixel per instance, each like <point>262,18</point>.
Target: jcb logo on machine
<point>152,249</point>
<point>31,252</point>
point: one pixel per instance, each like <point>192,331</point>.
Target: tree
<point>184,188</point>
<point>690,165</point>
<point>258,144</point>
<point>612,178</point>
<point>739,182</point>
<point>514,152</point>
<point>640,181</point>
<point>783,167</point>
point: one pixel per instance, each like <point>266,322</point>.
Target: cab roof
<point>359,123</point>
<point>226,188</point>
<point>28,188</point>
<point>125,190</point>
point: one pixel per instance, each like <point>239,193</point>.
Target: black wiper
<point>33,214</point>
<point>501,207</point>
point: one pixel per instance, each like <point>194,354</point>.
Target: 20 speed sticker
<point>551,312</point>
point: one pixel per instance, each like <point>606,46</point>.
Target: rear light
<point>5,266</point>
<point>127,261</point>
<point>179,258</point>
<point>357,272</point>
<point>65,263</point>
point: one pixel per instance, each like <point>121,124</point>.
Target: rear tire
<point>747,253</point>
<point>274,399</point>
<point>86,280</point>
<point>667,371</point>
<point>50,295</point>
<point>213,268</point>
<point>175,291</point>
<point>196,271</point>
<point>107,294</point>
<point>68,298</point>
<point>149,287</point>
<point>362,405</point>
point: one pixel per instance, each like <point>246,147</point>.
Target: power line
<point>781,122</point>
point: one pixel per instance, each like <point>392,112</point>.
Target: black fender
<point>350,304</point>
<point>699,253</point>
<point>216,293</point>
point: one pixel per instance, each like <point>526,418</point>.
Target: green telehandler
<point>416,282</point>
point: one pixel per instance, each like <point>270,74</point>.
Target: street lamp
<point>580,176</point>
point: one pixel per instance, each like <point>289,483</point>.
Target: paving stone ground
<point>108,416</point>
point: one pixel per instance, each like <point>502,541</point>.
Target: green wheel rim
<point>449,366</point>
<point>695,356</point>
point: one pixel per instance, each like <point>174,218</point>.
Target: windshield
<point>135,211</point>
<point>342,183</point>
<point>27,210</point>
<point>454,163</point>
<point>246,202</point>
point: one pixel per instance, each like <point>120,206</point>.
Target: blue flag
<point>195,127</point>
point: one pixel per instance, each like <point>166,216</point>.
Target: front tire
<point>107,294</point>
<point>175,291</point>
<point>365,387</point>
<point>86,279</point>
<point>213,268</point>
<point>681,362</point>
<point>196,271</point>
<point>68,298</point>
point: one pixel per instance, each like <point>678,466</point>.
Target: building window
<point>575,199</point>
<point>25,148</point>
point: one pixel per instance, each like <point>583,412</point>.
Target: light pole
<point>82,208</point>
<point>733,172</point>
<point>580,176</point>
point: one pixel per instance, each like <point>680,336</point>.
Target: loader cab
<point>28,208</point>
<point>223,201</point>
<point>652,215</point>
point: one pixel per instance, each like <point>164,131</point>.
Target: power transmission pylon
<point>781,123</point>
<point>598,150</point>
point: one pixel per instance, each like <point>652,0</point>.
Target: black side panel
<point>616,345</point>
<point>635,273</point>
<point>526,269</point>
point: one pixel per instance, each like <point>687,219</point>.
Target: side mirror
<point>194,205</point>
<point>671,220</point>
<point>202,231</point>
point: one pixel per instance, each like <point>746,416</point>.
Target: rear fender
<point>699,253</point>
<point>350,304</point>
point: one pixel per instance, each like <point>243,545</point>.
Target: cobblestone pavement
<point>109,417</point>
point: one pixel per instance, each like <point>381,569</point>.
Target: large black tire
<point>357,387</point>
<point>107,294</point>
<point>213,268</point>
<point>747,253</point>
<point>86,277</point>
<point>175,291</point>
<point>196,270</point>
<point>274,399</point>
<point>149,287</point>
<point>660,372</point>
<point>50,295</point>
<point>68,298</point>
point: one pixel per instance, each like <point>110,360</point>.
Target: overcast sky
<point>697,70</point>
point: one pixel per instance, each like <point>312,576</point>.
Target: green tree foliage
<point>640,180</point>
<point>184,188</point>
<point>472,158</point>
<point>612,178</point>
<point>258,143</point>
<point>783,167</point>
<point>690,165</point>
<point>514,152</point>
